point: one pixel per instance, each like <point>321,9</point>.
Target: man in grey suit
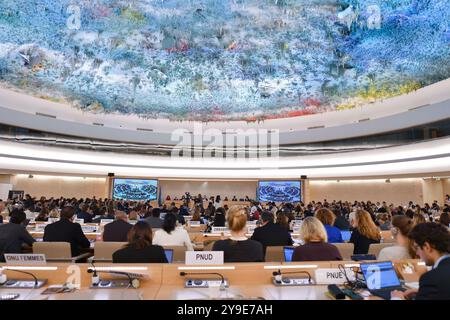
<point>14,234</point>
<point>154,220</point>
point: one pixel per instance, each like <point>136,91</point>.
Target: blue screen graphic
<point>279,191</point>
<point>169,255</point>
<point>135,189</point>
<point>379,275</point>
<point>346,235</point>
<point>288,252</point>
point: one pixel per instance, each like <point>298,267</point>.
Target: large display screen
<point>279,191</point>
<point>135,189</point>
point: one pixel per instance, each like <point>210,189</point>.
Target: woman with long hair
<point>171,234</point>
<point>139,248</point>
<point>365,232</point>
<point>401,226</point>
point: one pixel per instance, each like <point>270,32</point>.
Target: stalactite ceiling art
<point>214,60</point>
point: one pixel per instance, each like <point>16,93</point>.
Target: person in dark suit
<point>219,217</point>
<point>117,231</point>
<point>341,223</point>
<point>271,234</point>
<point>154,220</point>
<point>14,234</point>
<point>140,248</point>
<point>65,230</point>
<point>84,214</point>
<point>432,243</point>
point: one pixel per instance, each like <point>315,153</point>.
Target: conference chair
<point>57,251</point>
<point>208,246</point>
<point>103,251</point>
<point>375,248</point>
<point>179,253</point>
<point>345,249</point>
<point>274,254</point>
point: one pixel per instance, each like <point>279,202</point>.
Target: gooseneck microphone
<point>4,279</point>
<point>222,282</point>
<point>134,281</point>
<point>95,278</point>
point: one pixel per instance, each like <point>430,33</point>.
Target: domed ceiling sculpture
<point>216,60</point>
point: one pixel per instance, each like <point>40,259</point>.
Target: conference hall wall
<point>397,191</point>
<point>57,186</point>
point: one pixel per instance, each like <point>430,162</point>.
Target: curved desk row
<point>164,282</point>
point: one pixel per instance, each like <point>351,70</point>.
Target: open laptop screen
<point>169,255</point>
<point>346,235</point>
<point>380,275</point>
<point>288,251</point>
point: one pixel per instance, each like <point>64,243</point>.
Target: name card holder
<point>89,229</point>
<point>80,221</point>
<point>18,258</point>
<point>333,276</point>
<point>106,221</point>
<point>204,257</point>
<point>219,230</point>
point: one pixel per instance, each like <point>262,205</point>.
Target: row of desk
<point>246,281</point>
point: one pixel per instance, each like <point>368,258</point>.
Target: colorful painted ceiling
<point>222,59</point>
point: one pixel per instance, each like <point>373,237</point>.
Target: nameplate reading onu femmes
<point>15,258</point>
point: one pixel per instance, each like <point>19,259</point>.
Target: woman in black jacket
<point>365,232</point>
<point>139,248</point>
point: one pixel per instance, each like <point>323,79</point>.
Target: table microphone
<point>222,278</point>
<point>3,277</point>
<point>336,292</point>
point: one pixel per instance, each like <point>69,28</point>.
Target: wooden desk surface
<point>164,282</point>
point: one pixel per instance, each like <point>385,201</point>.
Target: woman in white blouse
<point>171,235</point>
<point>401,226</point>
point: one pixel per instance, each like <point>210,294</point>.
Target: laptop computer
<point>288,251</point>
<point>169,255</point>
<point>381,278</point>
<point>346,235</point>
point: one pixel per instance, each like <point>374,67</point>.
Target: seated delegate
<point>14,234</point>
<point>117,231</point>
<point>238,248</point>
<point>171,235</point>
<point>315,247</point>
<point>401,226</point>
<point>365,232</point>
<point>65,230</point>
<point>140,248</point>
<point>327,218</point>
<point>432,244</point>
<point>271,234</point>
